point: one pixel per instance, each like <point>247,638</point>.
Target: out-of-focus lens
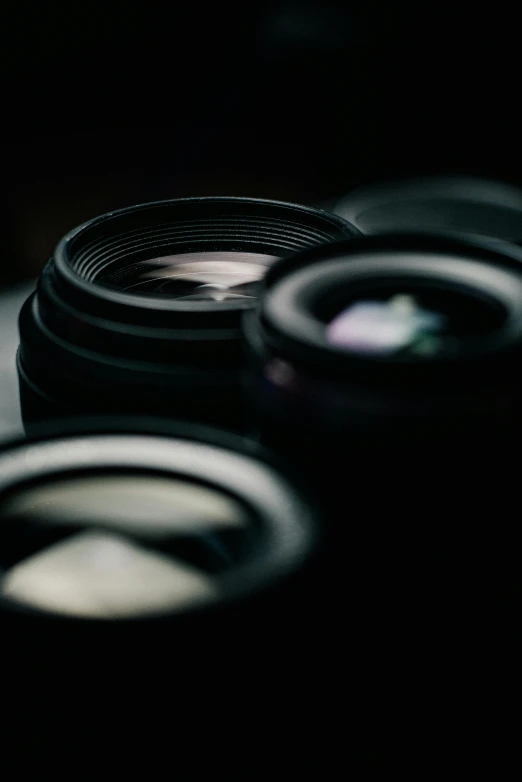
<point>117,544</point>
<point>466,206</point>
<point>121,524</point>
<point>388,334</point>
<point>388,370</point>
<point>151,552</point>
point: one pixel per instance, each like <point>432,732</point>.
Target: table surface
<point>11,300</point>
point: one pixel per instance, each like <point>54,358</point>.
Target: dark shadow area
<point>110,105</point>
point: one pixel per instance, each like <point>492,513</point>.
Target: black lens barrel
<point>91,348</point>
<point>411,454</point>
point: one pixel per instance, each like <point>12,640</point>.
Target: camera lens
<point>146,534</point>
<point>139,311</point>
<point>421,327</point>
<point>100,572</point>
<point>467,206</point>
<point>388,369</point>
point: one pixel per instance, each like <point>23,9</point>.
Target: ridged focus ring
<point>106,252</point>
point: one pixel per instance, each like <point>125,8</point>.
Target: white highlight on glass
<point>382,327</point>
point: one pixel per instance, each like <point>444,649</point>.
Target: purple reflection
<point>382,327</point>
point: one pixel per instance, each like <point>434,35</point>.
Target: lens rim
<point>226,463</point>
<point>300,216</point>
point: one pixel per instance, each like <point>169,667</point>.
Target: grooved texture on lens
<point>91,257</point>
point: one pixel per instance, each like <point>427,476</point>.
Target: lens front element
<point>214,276</point>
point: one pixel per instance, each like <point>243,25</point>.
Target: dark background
<point>114,104</point>
<point>106,105</point>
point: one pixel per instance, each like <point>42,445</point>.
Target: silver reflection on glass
<point>147,505</point>
<point>386,327</point>
<point>113,565</point>
<point>196,276</point>
<point>101,575</point>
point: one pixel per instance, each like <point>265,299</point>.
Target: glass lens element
<point>385,327</point>
<point>414,322</point>
<point>118,545</point>
<point>147,505</point>
<point>203,276</point>
<point>101,575</point>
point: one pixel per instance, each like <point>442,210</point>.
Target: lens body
<point>139,310</point>
<point>388,371</point>
<point>147,550</point>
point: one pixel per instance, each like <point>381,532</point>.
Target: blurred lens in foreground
<point>466,206</point>
<point>387,334</point>
<point>120,566</point>
<point>130,522</point>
